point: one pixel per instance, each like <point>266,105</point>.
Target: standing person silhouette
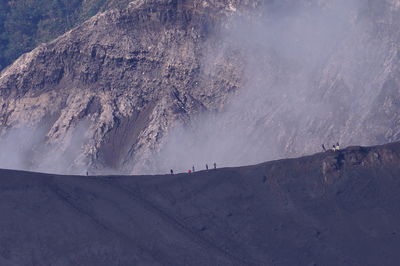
<point>206,166</point>
<point>193,168</point>
<point>215,166</point>
<point>172,172</point>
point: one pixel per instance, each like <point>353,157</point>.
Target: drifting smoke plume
<point>25,148</point>
<point>287,106</point>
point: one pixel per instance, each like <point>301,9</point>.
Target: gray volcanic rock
<point>333,208</point>
<point>129,74</point>
<point>107,94</point>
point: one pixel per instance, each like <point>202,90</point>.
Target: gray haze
<point>282,110</point>
<point>25,148</point>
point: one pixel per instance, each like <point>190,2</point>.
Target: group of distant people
<point>335,147</point>
<point>193,169</point>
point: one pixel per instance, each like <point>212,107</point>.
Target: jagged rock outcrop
<point>118,84</point>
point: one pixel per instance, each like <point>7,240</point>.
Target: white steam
<point>25,148</point>
<point>287,105</point>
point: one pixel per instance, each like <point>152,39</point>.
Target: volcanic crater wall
<point>126,90</point>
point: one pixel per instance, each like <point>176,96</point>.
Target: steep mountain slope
<point>129,73</point>
<point>111,93</point>
<point>333,208</point>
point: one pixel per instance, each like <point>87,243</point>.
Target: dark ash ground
<point>331,208</point>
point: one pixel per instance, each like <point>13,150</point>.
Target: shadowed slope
<point>327,209</point>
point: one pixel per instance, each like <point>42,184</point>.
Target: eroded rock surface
<point>129,74</point>
<point>122,80</point>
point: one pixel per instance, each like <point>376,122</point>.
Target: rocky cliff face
<point>108,93</point>
<point>130,74</point>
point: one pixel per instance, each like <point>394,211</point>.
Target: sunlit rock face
<point>167,84</point>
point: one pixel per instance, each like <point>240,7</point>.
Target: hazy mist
<point>25,148</point>
<point>281,110</point>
